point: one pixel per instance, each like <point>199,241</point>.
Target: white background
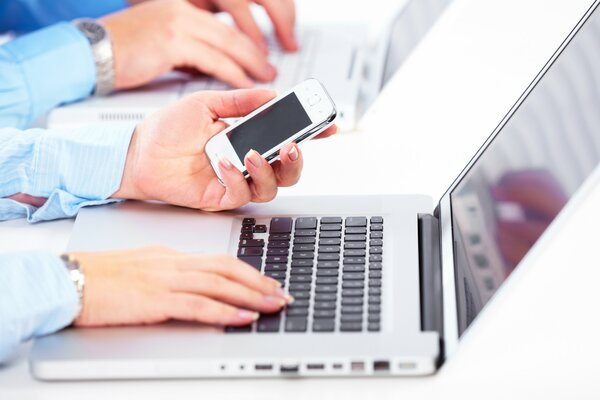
<point>539,336</point>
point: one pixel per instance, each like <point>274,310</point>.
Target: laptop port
<point>357,366</point>
<point>381,366</point>
<point>289,368</point>
<point>315,366</point>
<point>263,367</point>
<point>338,366</point>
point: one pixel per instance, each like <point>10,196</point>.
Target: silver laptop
<point>352,70</point>
<point>385,285</point>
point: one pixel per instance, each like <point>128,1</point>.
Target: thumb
<point>233,103</point>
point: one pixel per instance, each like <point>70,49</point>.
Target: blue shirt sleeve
<point>72,168</point>
<point>36,298</point>
<point>42,70</point>
<point>28,15</point>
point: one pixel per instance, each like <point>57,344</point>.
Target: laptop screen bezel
<point>450,303</point>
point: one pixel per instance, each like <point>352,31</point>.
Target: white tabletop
<point>538,337</point>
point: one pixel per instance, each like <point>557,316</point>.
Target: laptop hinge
<point>430,274</point>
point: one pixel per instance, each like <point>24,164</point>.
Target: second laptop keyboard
<point>332,266</point>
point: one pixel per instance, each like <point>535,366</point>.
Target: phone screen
<point>270,127</point>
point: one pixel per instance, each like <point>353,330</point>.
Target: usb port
<point>289,368</point>
<point>263,367</point>
<point>381,366</point>
<point>357,366</point>
<point>315,366</point>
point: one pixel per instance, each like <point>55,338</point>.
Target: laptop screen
<point>535,164</point>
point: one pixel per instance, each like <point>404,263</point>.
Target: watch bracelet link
<point>77,276</point>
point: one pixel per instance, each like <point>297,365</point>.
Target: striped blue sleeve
<point>72,168</point>
<point>42,70</point>
<point>36,298</point>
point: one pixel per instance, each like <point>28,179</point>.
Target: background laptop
<point>353,70</point>
<point>401,305</point>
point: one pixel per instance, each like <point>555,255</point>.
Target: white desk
<point>539,337</point>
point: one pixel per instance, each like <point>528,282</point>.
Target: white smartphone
<point>295,116</point>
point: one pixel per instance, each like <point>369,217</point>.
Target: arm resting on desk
<point>72,168</point>
<point>38,298</point>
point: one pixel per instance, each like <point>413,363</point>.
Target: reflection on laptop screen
<point>539,159</point>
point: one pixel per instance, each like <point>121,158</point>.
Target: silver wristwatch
<point>99,39</point>
<point>77,277</point>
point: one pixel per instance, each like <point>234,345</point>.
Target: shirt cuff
<point>57,66</point>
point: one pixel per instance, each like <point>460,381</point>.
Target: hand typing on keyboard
<point>166,159</point>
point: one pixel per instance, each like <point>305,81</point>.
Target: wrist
<point>127,188</point>
<point>77,276</point>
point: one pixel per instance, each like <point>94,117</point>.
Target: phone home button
<point>313,100</point>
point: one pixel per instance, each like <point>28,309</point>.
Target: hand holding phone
<point>295,116</point>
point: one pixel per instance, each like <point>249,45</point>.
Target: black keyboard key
<point>355,238</point>
<point>279,236</point>
<point>356,221</point>
<point>328,264</point>
<point>327,280</point>
<point>300,278</point>
<point>330,242</point>
<point>352,309</point>
<point>238,329</point>
<point>375,282</point>
<point>376,235</point>
<point>328,257</point>
<point>302,263</point>
<point>374,291</point>
<point>374,300</point>
<point>376,250</point>
<point>255,261</point>
<point>306,223</point>
<point>250,251</point>
<point>325,289</point>
<point>376,227</point>
<point>276,267</point>
<point>297,312</point>
<point>249,221</point>
<point>355,253</point>
<point>354,245</point>
<point>375,258</point>
<point>278,244</point>
<point>277,252</point>
<point>353,293</point>
<point>327,272</point>
<point>377,220</point>
<point>318,314</point>
<point>252,243</point>
<point>351,326</point>
<point>325,297</point>
<point>352,301</point>
<point>305,233</point>
<point>303,255</point>
<point>281,225</point>
<point>277,259</point>
<point>302,240</point>
<point>331,220</point>
<point>260,229</point>
<point>303,247</point>
<point>246,235</point>
<point>325,305</point>
<point>374,318</point>
<point>351,318</point>
<point>300,287</point>
<point>330,235</point>
<point>352,284</point>
<point>331,227</point>
<point>355,231</point>
<point>300,294</point>
<point>329,249</point>
<point>268,323</point>
<point>374,309</point>
<point>324,325</point>
<point>353,276</point>
<point>354,260</point>
<point>374,327</point>
<point>296,324</point>
<point>376,242</point>
<point>301,271</point>
<point>354,268</point>
<point>304,303</point>
<point>375,266</point>
<point>375,274</point>
<point>247,229</point>
<point>275,274</point>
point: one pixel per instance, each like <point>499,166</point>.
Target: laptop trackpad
<point>135,224</point>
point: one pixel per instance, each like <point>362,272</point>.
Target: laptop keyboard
<point>331,265</point>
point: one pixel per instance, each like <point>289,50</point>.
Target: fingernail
<point>254,158</point>
<point>289,299</point>
<point>248,315</point>
<point>293,154</point>
<point>225,163</point>
<point>275,300</point>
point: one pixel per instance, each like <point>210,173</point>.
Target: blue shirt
<point>72,168</point>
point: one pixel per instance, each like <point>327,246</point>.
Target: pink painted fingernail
<point>248,315</point>
<point>254,158</point>
<point>225,163</point>
<point>275,300</point>
<point>293,154</point>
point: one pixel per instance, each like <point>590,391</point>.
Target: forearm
<point>37,298</point>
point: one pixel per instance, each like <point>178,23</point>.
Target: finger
<point>219,288</point>
<point>234,103</point>
<point>190,307</point>
<point>237,192</point>
<point>243,18</point>
<point>232,42</point>
<point>332,130</point>
<point>283,15</point>
<point>264,184</point>
<point>289,167</point>
<point>215,63</point>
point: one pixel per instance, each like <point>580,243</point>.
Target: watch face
<point>93,31</point>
